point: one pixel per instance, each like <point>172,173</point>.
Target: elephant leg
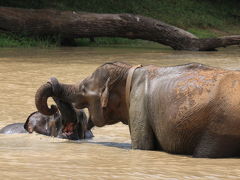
<point>217,146</point>
<point>142,135</point>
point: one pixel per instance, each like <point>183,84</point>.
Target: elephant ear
<point>105,94</point>
<point>28,119</point>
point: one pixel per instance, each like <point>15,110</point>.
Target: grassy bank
<point>205,18</point>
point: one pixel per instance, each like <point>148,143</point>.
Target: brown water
<point>108,155</point>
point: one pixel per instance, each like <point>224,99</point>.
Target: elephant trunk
<point>42,94</point>
<point>67,93</point>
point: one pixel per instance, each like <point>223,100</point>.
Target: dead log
<point>70,24</point>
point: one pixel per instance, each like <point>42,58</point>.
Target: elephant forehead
<point>92,82</point>
<point>38,118</point>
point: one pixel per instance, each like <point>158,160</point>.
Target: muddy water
<point>108,155</point>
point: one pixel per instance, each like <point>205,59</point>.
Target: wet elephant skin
<point>189,109</point>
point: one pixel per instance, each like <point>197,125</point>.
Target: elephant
<point>36,122</point>
<point>191,109</point>
<point>15,128</point>
<point>76,122</point>
<point>42,124</point>
<point>53,125</point>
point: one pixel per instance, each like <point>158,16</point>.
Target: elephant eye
<point>90,86</point>
<point>83,89</point>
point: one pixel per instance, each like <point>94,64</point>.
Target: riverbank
<point>202,18</point>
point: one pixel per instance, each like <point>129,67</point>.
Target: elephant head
<point>42,124</point>
<point>103,93</point>
<point>73,121</point>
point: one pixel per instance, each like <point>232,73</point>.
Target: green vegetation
<point>204,18</point>
<point>118,42</point>
<point>11,40</point>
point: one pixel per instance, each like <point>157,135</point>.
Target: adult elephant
<point>189,109</point>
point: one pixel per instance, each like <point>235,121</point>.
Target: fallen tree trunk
<point>70,24</point>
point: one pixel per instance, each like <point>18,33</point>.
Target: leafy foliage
<point>205,18</point>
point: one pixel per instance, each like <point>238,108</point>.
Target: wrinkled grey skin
<point>15,128</point>
<point>191,109</point>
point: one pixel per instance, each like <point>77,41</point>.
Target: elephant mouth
<point>68,129</point>
<point>30,129</point>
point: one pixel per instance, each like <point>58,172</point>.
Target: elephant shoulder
<point>139,81</point>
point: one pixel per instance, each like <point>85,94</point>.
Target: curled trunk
<point>42,94</point>
<point>64,92</point>
<point>67,111</point>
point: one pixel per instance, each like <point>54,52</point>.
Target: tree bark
<point>70,24</point>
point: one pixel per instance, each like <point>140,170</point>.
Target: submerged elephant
<point>53,125</point>
<point>73,122</point>
<point>14,128</point>
<point>189,109</point>
<point>36,122</point>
